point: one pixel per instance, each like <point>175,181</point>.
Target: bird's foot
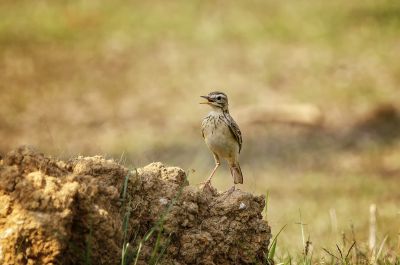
<point>230,191</point>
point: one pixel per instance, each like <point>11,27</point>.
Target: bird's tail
<point>236,173</point>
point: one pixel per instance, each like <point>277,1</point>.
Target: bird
<point>222,136</point>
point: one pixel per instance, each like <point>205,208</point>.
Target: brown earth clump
<point>85,210</point>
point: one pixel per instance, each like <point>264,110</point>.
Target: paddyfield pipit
<point>222,135</point>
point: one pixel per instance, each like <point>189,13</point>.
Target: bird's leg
<point>217,163</point>
<point>208,181</point>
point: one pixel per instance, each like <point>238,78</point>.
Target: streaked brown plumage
<point>222,135</point>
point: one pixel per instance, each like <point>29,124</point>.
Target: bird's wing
<point>234,128</point>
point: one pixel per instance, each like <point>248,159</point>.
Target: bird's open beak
<point>208,100</point>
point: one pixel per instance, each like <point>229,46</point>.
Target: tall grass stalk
<point>126,255</point>
<point>306,244</point>
<point>266,205</point>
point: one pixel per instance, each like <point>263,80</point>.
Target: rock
<point>72,212</point>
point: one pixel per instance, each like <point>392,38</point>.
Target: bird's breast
<point>218,137</point>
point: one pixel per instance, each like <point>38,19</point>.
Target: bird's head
<point>216,100</point>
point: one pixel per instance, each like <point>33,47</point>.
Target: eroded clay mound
<point>72,213</point>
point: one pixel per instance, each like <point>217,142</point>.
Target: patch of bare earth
<point>72,212</point>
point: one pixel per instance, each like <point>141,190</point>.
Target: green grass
<point>347,252</point>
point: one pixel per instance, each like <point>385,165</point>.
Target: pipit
<point>222,136</point>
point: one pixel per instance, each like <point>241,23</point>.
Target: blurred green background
<point>314,86</point>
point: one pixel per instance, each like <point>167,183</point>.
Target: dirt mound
<point>85,210</point>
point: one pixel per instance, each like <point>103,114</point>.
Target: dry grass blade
<point>351,247</point>
<point>381,247</point>
<point>331,254</point>
<point>340,251</point>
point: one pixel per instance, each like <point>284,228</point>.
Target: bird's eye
<point>219,97</point>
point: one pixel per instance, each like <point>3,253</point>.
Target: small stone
<point>163,201</point>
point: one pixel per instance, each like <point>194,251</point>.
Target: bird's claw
<point>231,190</point>
<point>204,185</point>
